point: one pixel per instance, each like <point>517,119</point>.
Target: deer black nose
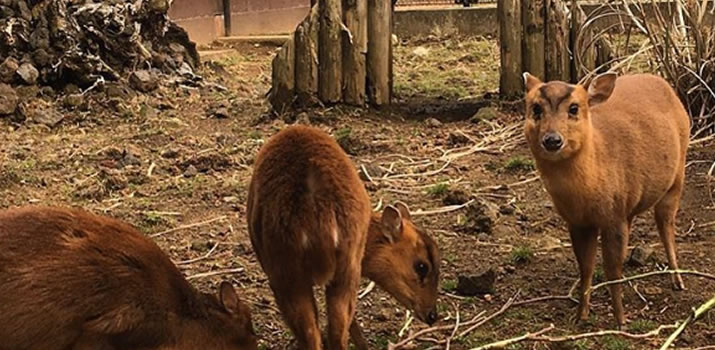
<point>552,142</point>
<point>432,317</point>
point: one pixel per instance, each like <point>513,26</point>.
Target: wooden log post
<point>283,91</point>
<point>533,14</point>
<point>557,42</point>
<point>355,51</point>
<point>306,59</point>
<point>330,82</point>
<point>582,45</point>
<point>379,33</point>
<point>510,40</point>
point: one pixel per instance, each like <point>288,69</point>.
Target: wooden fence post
<point>355,51</point>
<point>510,30</point>
<point>227,17</point>
<point>557,42</point>
<point>330,82</point>
<point>283,76</point>
<point>379,32</point>
<point>306,59</point>
<point>533,49</point>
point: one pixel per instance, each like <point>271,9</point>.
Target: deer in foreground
<point>606,152</point>
<point>70,280</point>
<point>311,224</point>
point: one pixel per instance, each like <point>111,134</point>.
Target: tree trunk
<point>379,15</point>
<point>330,51</point>
<point>355,51</point>
<point>557,42</point>
<point>306,59</point>
<point>534,35</point>
<point>283,90</point>
<point>509,16</point>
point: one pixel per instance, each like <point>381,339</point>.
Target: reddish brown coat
<point>619,148</point>
<point>308,218</point>
<point>73,280</point>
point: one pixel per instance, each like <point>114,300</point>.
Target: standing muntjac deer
<point>70,280</point>
<point>311,224</point>
<point>606,152</point>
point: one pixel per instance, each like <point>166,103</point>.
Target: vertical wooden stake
<point>283,90</point>
<point>355,51</point>
<point>510,30</point>
<point>557,42</point>
<point>227,17</point>
<point>533,49</point>
<point>379,13</point>
<point>306,59</point>
<point>330,82</point>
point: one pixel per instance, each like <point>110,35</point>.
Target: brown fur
<point>309,219</point>
<point>624,153</point>
<point>70,280</point>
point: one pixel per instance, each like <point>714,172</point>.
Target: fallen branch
<point>507,342</point>
<point>442,210</point>
<point>696,314</point>
<point>649,274</point>
<point>189,226</point>
<point>199,258</point>
<point>215,273</point>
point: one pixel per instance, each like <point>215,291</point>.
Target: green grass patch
<point>522,254</point>
<point>519,163</point>
<point>438,189</point>
<point>615,343</point>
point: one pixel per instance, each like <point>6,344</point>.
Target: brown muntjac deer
<point>311,224</point>
<point>606,152</point>
<point>70,280</point>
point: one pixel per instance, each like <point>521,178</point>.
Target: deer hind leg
<point>297,304</point>
<point>584,241</point>
<point>341,297</point>
<point>665,212</point>
<point>614,241</point>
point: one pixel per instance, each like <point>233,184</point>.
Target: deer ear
<point>404,210</point>
<point>391,222</point>
<point>229,298</point>
<point>601,88</point>
<point>531,82</point>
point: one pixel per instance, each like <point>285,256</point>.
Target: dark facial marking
<point>555,92</point>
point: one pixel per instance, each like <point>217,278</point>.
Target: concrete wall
<point>480,20</point>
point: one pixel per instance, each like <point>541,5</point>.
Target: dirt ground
<point>176,163</point>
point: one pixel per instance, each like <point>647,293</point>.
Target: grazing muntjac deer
<point>70,280</point>
<point>311,224</point>
<point>606,152</point>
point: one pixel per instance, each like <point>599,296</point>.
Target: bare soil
<point>164,160</point>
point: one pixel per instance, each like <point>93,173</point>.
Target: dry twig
<point>184,227</point>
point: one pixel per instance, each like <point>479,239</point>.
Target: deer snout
<point>432,317</point>
<point>552,142</point>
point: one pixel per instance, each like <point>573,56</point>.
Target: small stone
<point>220,113</point>
<point>302,119</point>
<point>485,114</point>
<point>41,57</point>
<point>114,90</point>
<point>372,170</point>
<point>28,73</point>
<point>488,298</point>
<point>509,269</point>
<point>477,284</point>
<point>420,51</point>
<point>170,154</point>
<point>143,80</point>
<point>201,245</point>
<point>46,116</point>
<point>8,100</point>
<point>395,40</point>
<point>480,218</point>
<point>640,255</point>
<point>73,100</point>
<point>455,139</point>
<point>8,69</point>
<point>456,197</point>
<point>191,171</point>
<point>506,209</point>
<point>230,199</point>
<point>434,123</point>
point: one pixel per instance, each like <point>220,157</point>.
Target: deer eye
<point>537,111</point>
<point>573,110</point>
<point>421,269</point>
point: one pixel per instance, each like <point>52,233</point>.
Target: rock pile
<point>80,43</point>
